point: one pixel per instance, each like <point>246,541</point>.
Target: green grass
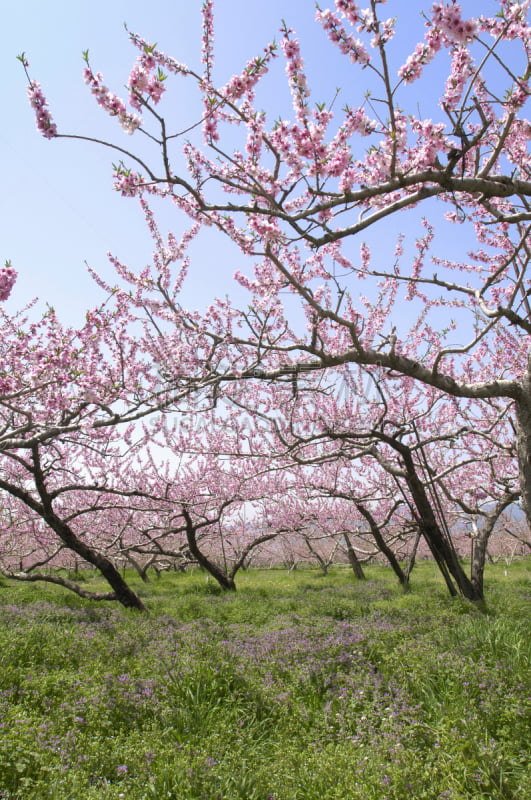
<point>296,687</point>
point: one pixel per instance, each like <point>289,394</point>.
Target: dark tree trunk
<point>523,446</point>
<point>477,565</point>
<point>141,570</point>
<point>413,555</point>
<point>72,586</point>
<point>225,581</point>
<point>442,551</point>
<point>481,539</point>
<point>124,594</point>
<point>353,559</point>
<point>381,544</point>
<point>241,563</point>
<point>320,560</point>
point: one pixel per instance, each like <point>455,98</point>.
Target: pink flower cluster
<point>207,12</point>
<point>38,102</point>
<point>307,142</point>
<point>210,101</point>
<point>412,69</point>
<point>365,255</point>
<point>339,155</point>
<point>431,141</point>
<point>110,102</point>
<point>8,277</point>
<point>518,95</point>
<point>462,70</point>
<point>447,27</point>
<point>517,142</point>
<point>267,229</point>
<point>142,81</point>
<point>133,184</point>
<point>338,162</point>
<point>350,10</point>
<point>449,20</point>
<point>210,126</point>
<point>348,45</point>
<point>128,183</point>
<point>358,122</point>
<point>385,33</point>
<point>296,75</point>
<point>281,139</point>
<point>255,131</point>
<point>511,22</point>
<point>160,59</point>
<point>244,83</point>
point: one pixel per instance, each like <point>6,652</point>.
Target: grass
<point>297,687</point>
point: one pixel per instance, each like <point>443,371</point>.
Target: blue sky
<point>59,208</point>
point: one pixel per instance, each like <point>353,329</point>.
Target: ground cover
<point>297,687</point>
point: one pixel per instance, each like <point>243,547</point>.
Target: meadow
<point>297,687</point>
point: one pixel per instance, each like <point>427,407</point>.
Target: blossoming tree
<point>69,399</point>
<point>313,200</point>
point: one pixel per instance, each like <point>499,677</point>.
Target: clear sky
<point>58,206</point>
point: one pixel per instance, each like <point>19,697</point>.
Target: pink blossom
<point>8,277</point>
<point>143,82</point>
<point>348,45</point>
<point>448,19</point>
<point>154,57</point>
<point>207,12</point>
<point>412,69</point>
<point>39,104</point>
<point>111,102</point>
<point>350,10</point>
<point>462,70</point>
<point>244,83</point>
<point>357,121</point>
<point>296,75</point>
<point>365,254</point>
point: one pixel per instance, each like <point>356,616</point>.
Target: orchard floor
<point>297,687</point>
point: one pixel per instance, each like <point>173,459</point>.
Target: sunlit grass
<point>296,687</point>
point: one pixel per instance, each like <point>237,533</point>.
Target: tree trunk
<point>124,594</point>
<point>320,560</point>
<point>441,548</point>
<point>523,446</point>
<point>443,552</point>
<point>413,555</point>
<point>477,566</point>
<point>382,545</point>
<point>225,581</point>
<point>353,559</point>
<point>481,538</point>
<point>72,586</point>
<point>142,570</point>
